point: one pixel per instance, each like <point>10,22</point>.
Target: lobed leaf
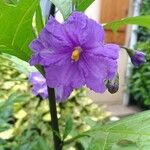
<point>128,133</point>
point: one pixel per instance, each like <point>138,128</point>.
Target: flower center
<point>76,53</point>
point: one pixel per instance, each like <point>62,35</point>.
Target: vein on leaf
<point>19,25</point>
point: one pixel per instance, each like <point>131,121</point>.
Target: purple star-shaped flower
<point>138,58</point>
<point>74,53</point>
<point>39,87</point>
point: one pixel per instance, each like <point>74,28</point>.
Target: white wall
<point>94,12</point>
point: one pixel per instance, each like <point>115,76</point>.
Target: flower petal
<point>46,57</point>
<point>42,90</point>
<point>97,70</point>
<point>109,50</point>
<point>54,37</point>
<point>36,77</point>
<point>39,84</point>
<point>40,87</point>
<point>49,57</point>
<point>64,75</point>
<point>95,84</point>
<point>83,30</point>
<point>95,34</point>
<point>36,45</point>
<point>62,93</point>
<point>35,59</point>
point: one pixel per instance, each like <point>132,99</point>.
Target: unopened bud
<point>137,57</point>
<point>113,85</point>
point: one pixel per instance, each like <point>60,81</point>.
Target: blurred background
<point>134,91</point>
<point>24,117</point>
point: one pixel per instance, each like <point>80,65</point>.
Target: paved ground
<point>120,110</point>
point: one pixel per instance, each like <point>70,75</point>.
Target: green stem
<point>129,51</point>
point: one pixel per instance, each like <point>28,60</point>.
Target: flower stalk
<point>53,109</point>
<point>137,57</point>
<point>54,119</point>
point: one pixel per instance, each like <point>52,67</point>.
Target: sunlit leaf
<point>7,134</point>
<point>138,20</point>
<point>21,114</point>
<point>130,132</point>
<point>82,5</point>
<point>20,65</point>
<point>47,117</point>
<point>16,30</point>
<point>39,20</point>
<point>11,2</point>
<point>68,127</point>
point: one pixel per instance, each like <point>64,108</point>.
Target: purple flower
<point>74,54</point>
<point>39,87</point>
<point>138,58</point>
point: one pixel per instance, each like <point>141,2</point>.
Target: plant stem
<point>128,50</point>
<point>52,10</point>
<point>53,110</point>
<point>54,119</point>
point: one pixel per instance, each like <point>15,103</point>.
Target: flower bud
<point>113,85</point>
<point>138,58</point>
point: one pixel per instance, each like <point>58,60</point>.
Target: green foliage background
<point>25,119</point>
<point>140,79</point>
<point>144,33</point>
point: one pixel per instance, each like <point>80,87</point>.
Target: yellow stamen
<point>75,55</point>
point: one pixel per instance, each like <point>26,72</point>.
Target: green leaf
<point>138,20</point>
<point>6,134</point>
<point>20,114</point>
<point>73,139</point>
<point>68,127</point>
<point>82,5</point>
<point>42,144</point>
<point>20,65</point>
<point>130,132</point>
<point>65,7</point>
<point>16,30</point>
<point>39,20</point>
<point>11,2</point>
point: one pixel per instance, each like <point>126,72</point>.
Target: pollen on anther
<point>75,55</point>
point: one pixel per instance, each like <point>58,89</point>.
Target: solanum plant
<point>68,56</point>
